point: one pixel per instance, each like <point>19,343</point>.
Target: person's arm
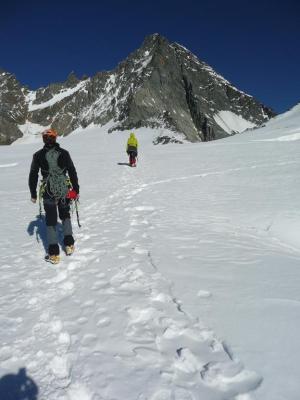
<point>72,173</point>
<point>33,177</point>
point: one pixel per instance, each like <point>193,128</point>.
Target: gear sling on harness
<point>56,185</point>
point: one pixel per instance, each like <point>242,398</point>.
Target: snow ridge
<point>56,98</point>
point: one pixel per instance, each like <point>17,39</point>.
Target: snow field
<point>195,236</point>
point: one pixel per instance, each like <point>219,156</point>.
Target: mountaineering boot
<point>53,259</point>
<point>69,249</point>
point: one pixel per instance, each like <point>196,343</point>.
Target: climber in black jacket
<point>59,187</point>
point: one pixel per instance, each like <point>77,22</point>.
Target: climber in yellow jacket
<point>132,149</point>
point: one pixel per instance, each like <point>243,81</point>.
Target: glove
<point>72,194</point>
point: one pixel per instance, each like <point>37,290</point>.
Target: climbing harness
<point>56,185</point>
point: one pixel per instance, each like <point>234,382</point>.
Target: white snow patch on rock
<point>31,133</point>
<point>57,97</point>
<point>231,122</point>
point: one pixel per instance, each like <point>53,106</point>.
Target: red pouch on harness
<point>72,194</point>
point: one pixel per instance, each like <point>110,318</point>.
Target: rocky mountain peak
<point>159,85</point>
<point>155,40</point>
<point>72,80</point>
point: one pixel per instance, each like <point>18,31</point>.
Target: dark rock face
<point>9,131</point>
<point>12,108</point>
<point>160,85</point>
<point>166,140</point>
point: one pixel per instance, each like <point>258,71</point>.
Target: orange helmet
<point>51,133</point>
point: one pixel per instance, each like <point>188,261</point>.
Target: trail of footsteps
<point>39,341</point>
<point>64,304</point>
<point>131,335</point>
<point>36,335</point>
<point>121,316</point>
<point>189,354</point>
<point>148,185</point>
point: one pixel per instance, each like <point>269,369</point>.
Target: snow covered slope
<point>185,281</point>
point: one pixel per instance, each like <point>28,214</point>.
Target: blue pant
<point>63,206</point>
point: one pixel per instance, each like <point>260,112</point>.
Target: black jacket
<point>132,149</point>
<point>39,162</point>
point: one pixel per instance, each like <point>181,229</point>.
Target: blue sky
<point>254,44</point>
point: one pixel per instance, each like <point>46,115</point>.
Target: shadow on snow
<point>38,227</point>
<point>18,387</point>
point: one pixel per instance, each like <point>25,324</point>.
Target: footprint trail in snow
<point>104,324</point>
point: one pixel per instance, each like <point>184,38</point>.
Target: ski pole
<point>40,207</point>
<point>77,213</point>
<point>41,192</point>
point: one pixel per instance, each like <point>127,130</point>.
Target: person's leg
<point>64,215</point>
<point>134,155</point>
<point>133,158</point>
<point>51,222</point>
